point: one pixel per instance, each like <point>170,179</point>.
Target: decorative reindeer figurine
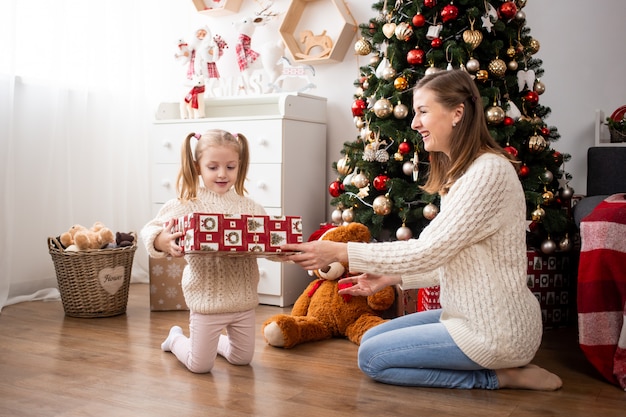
<point>251,62</point>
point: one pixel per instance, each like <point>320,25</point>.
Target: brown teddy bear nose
<point>325,269</point>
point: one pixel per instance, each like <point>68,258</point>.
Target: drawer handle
<point>262,273</point>
<point>261,185</point>
<point>166,183</point>
<point>166,144</point>
<point>263,142</point>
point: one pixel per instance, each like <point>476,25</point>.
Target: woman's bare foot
<point>528,377</point>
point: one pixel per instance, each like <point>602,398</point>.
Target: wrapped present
<point>237,234</point>
<point>552,280</point>
<point>166,293</point>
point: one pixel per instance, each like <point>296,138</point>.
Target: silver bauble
<point>360,180</point>
<point>347,215</point>
<point>430,211</point>
<point>472,65</point>
<point>404,233</point>
<point>548,246</point>
<point>520,16</point>
<point>383,108</point>
<point>382,205</point>
<point>431,70</point>
<point>401,111</point>
<point>567,192</point>
<point>512,65</point>
<point>359,122</point>
<point>388,73</point>
<point>336,216</point>
<point>407,168</point>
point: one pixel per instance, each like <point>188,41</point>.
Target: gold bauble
<point>343,166</point>
<point>472,38</point>
<point>482,75</point>
<point>533,46</point>
<point>362,47</point>
<point>383,108</point>
<point>401,83</point>
<point>547,196</point>
<point>511,52</point>
<point>536,143</point>
<point>539,87</point>
<point>495,115</point>
<point>538,214</point>
<point>382,205</point>
<point>497,67</point>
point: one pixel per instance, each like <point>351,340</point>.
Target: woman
<point>489,327</point>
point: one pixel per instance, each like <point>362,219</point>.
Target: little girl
<point>220,291</point>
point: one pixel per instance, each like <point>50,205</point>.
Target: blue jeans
<point>417,350</point>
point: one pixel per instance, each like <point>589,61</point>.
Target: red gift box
<point>237,234</point>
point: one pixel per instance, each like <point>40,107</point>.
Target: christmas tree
<point>380,172</point>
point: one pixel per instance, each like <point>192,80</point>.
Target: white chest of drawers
<point>287,175</point>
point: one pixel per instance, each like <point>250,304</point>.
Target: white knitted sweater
<point>476,250</point>
<point>212,284</point>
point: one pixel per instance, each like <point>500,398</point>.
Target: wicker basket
<point>93,283</point>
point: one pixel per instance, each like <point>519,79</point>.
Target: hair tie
<point>235,135</point>
<point>197,135</point>
<point>474,98</point>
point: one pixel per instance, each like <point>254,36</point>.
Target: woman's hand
<point>368,284</point>
<point>316,254</point>
<point>167,242</point>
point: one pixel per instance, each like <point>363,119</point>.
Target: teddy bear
<point>320,312</point>
<point>79,237</point>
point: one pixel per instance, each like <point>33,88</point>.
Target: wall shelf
<point>325,19</point>
<point>222,8</point>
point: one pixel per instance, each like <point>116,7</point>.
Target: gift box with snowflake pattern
<point>166,293</point>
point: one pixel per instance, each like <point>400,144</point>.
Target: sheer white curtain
<point>79,83</point>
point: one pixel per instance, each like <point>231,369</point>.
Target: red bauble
<point>404,148</point>
<point>372,28</point>
<point>380,182</point>
<point>418,20</point>
<point>531,98</point>
<point>358,107</point>
<point>436,43</point>
<point>449,12</point>
<point>430,3</point>
<point>512,150</point>
<point>508,121</point>
<point>524,171</point>
<point>558,157</point>
<point>336,188</point>
<point>545,131</point>
<point>415,57</point>
<point>507,10</point>
<point>533,226</point>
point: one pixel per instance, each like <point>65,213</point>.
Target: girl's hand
<point>368,284</point>
<point>166,241</point>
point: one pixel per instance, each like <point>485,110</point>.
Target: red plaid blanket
<point>602,289</point>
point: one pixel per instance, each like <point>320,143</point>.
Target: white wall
<point>581,49</point>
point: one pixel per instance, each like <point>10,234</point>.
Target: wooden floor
<point>52,365</point>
